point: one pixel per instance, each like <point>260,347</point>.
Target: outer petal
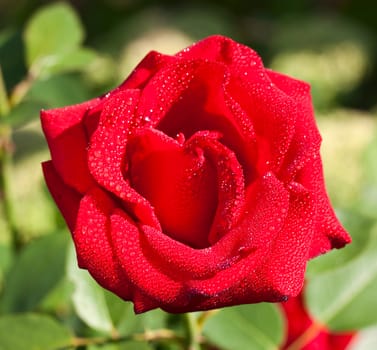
<point>285,266</point>
<point>67,140</point>
<point>191,263</point>
<point>65,197</point>
<point>129,247</point>
<point>260,228</point>
<point>218,48</point>
<point>223,274</point>
<point>94,249</point>
<point>329,232</point>
<point>306,140</point>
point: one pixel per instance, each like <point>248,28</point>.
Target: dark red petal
<point>230,182</point>
<point>340,341</point>
<point>220,49</point>
<point>205,105</point>
<point>246,147</point>
<point>272,111</point>
<point>107,152</point>
<point>129,247</point>
<point>306,140</point>
<point>57,121</point>
<point>67,140</point>
<point>268,207</point>
<point>65,197</point>
<point>143,303</point>
<point>92,239</point>
<point>256,232</point>
<point>329,232</point>
<point>236,280</point>
<point>285,267</point>
<point>164,89</point>
<point>273,115</point>
<point>178,181</point>
<point>185,263</point>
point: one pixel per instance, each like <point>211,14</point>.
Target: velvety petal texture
<point>195,184</point>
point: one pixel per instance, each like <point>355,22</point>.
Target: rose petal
<point>230,182</point>
<point>217,48</point>
<point>259,228</point>
<point>190,263</point>
<point>225,272</point>
<point>67,140</point>
<point>171,175</point>
<point>329,232</point>
<point>107,153</point>
<point>129,248</point>
<point>306,140</point>
<point>272,112</point>
<point>92,240</point>
<point>65,197</point>
<point>285,267</point>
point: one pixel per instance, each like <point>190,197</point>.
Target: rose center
<point>179,182</point>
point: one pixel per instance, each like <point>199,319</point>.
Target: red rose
<point>195,184</point>
<point>306,333</point>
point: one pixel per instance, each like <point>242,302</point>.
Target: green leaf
<point>256,326</point>
<point>125,320</point>
<point>52,31</point>
<point>70,61</point>
<point>345,298</point>
<point>32,332</point>
<point>368,203</point>
<point>122,314</point>
<point>88,297</point>
<point>38,269</point>
<point>59,91</point>
<point>23,113</point>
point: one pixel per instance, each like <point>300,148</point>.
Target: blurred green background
<point>80,49</point>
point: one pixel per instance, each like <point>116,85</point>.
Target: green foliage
<point>52,38</point>
<point>344,298</point>
<point>23,113</point>
<point>38,269</point>
<point>32,332</point>
<point>368,203</point>
<point>257,326</point>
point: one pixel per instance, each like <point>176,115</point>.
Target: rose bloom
<point>301,327</point>
<point>195,184</point>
